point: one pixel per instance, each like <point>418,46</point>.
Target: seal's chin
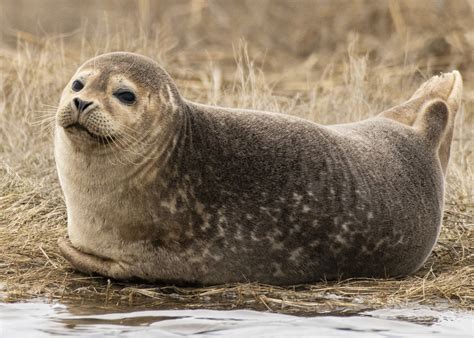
<point>77,129</point>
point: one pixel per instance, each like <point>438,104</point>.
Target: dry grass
<point>326,61</point>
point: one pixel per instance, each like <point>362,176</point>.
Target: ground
<point>330,62</point>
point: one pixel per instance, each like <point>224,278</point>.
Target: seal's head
<point>112,96</point>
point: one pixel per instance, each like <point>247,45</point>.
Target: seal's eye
<point>77,85</point>
<point>125,96</point>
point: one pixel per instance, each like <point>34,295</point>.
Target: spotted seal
<point>164,189</point>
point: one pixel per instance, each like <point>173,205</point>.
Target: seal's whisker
<point>47,110</point>
<point>129,137</point>
<point>131,130</point>
<point>116,145</point>
<point>127,149</point>
<point>127,141</point>
<point>43,115</point>
<point>114,153</point>
<point>124,148</point>
<point>44,123</point>
<point>49,105</point>
<point>111,148</point>
<point>41,122</point>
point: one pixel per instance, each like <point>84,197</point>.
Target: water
<point>44,320</point>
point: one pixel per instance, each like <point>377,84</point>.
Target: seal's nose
<point>80,104</point>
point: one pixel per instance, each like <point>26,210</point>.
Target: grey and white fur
<point>173,191</point>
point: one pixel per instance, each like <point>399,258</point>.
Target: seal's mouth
<point>79,127</point>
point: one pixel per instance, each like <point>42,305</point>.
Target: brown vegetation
<point>328,61</point>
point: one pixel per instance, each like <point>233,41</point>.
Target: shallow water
<point>43,320</point>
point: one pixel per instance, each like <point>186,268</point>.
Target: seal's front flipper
<point>91,264</point>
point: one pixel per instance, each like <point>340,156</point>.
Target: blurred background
<point>293,28</point>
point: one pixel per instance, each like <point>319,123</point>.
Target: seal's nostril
<point>80,104</point>
<point>86,104</point>
<point>76,102</point>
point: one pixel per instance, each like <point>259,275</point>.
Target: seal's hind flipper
<point>432,121</point>
<point>447,87</point>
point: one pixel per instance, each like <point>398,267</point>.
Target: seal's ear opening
<point>432,121</point>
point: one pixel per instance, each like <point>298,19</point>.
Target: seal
<point>167,190</point>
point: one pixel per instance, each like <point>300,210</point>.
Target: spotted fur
<point>220,195</point>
